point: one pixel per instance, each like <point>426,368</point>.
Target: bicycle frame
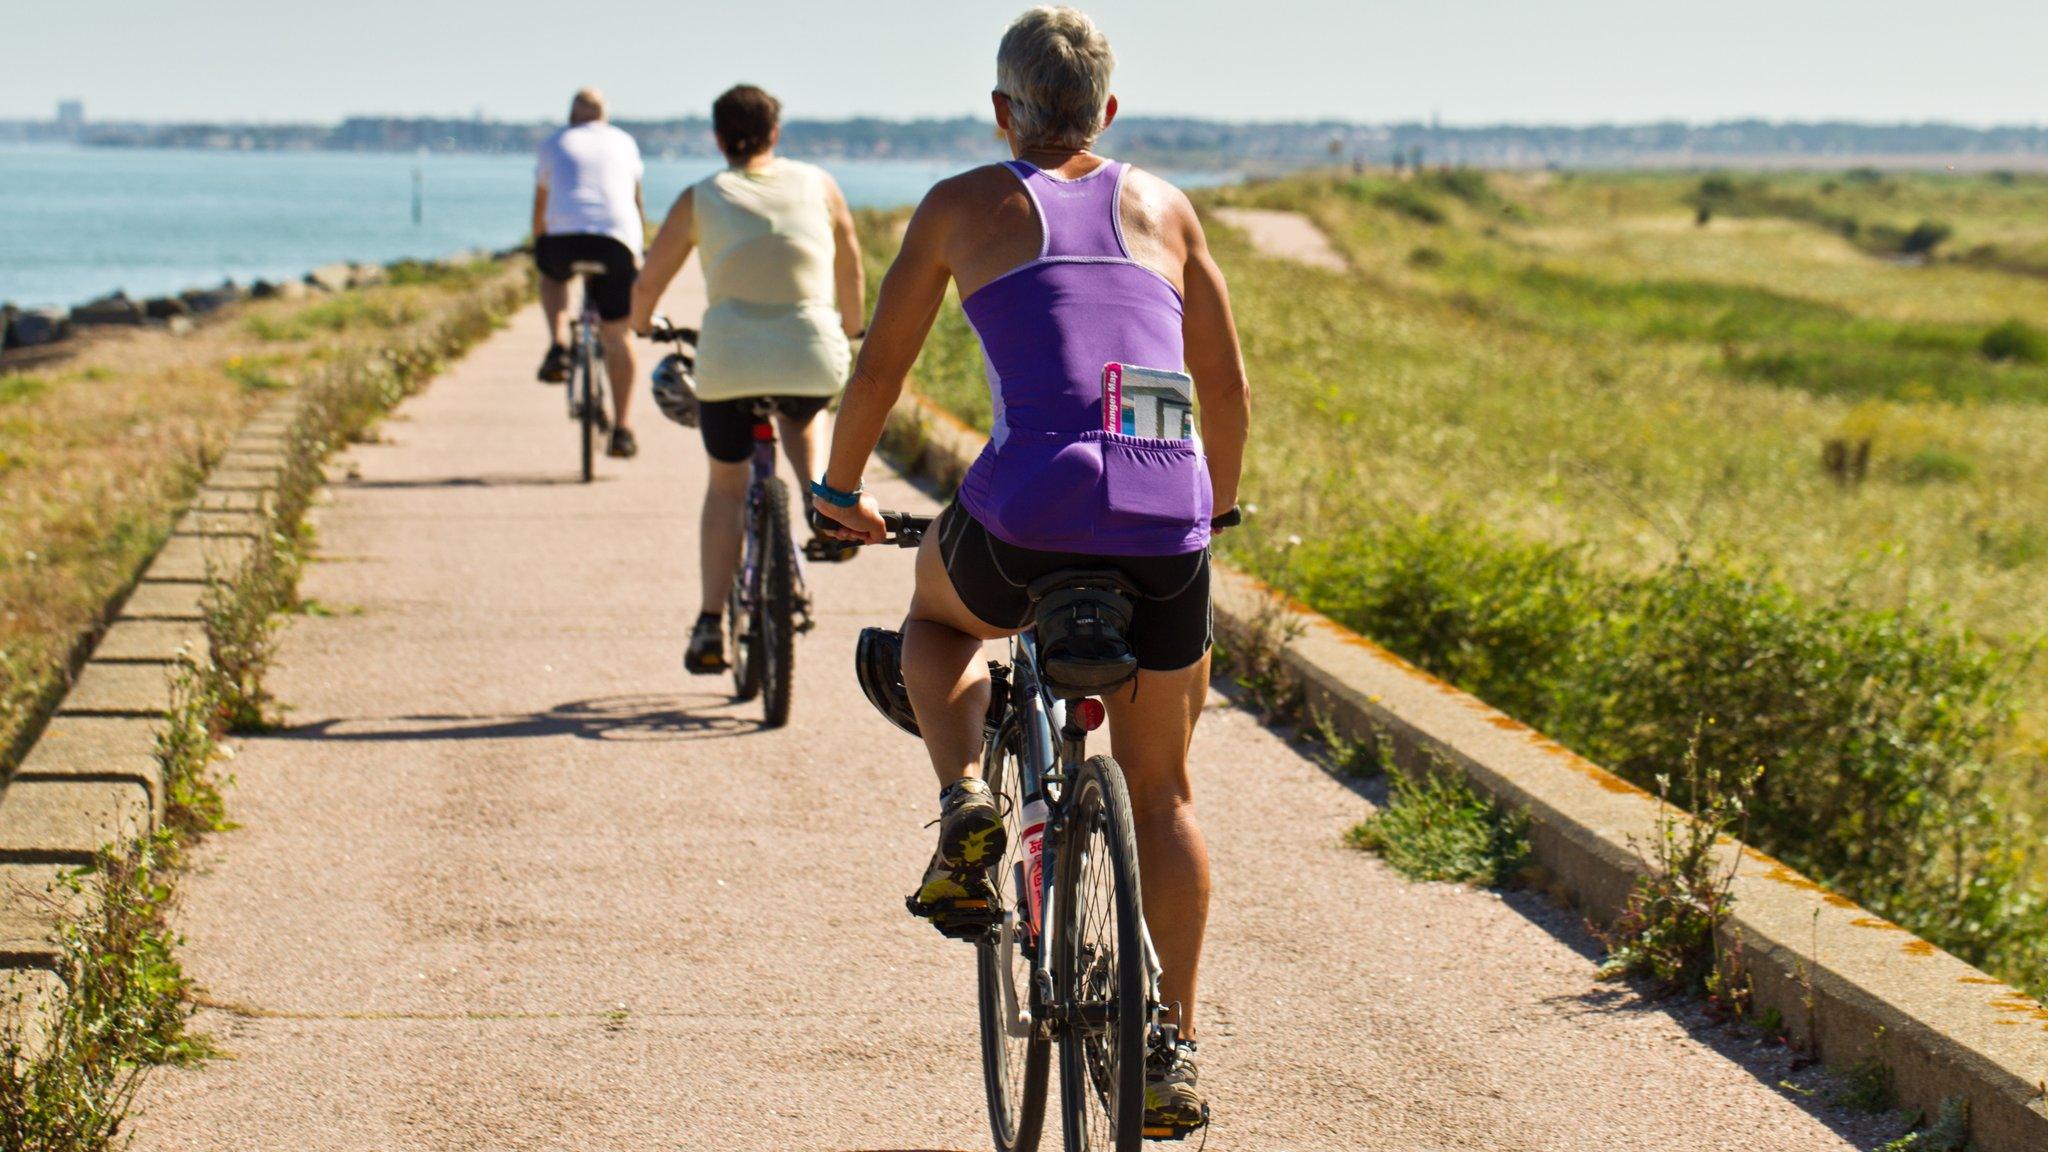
<point>762,469</point>
<point>1053,745</point>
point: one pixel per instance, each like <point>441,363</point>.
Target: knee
<point>728,485</point>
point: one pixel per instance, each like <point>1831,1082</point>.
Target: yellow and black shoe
<point>960,903</point>
<point>970,826</point>
<point>1174,1106</point>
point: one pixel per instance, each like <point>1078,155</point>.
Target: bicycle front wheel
<point>777,621</point>
<point>1015,1050</point>
<point>587,410</point>
<point>1099,965</point>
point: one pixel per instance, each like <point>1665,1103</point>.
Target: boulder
<point>165,307</point>
<point>114,309</point>
<point>365,275</point>
<point>330,277</point>
<point>37,326</point>
<point>283,290</point>
<point>204,300</point>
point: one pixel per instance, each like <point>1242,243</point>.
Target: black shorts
<point>1169,621</point>
<point>612,292</point>
<point>728,425</point>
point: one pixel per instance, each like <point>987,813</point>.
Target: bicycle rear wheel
<point>1099,966</point>
<point>776,624</point>
<point>586,408</point>
<point>1015,1051</point>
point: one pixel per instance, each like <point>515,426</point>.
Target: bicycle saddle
<point>1081,616</point>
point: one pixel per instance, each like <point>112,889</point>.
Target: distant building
<point>70,116</point>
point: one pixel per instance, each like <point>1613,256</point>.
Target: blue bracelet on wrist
<point>834,496</point>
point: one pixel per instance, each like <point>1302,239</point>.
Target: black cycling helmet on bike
<point>878,665</point>
<point>675,378</point>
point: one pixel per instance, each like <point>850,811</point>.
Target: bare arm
<point>1217,364</point>
<point>665,258</point>
<point>540,211</point>
<point>848,274</point>
<point>911,294</point>
<point>640,209</point>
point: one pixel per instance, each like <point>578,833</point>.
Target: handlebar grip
<point>1230,519</point>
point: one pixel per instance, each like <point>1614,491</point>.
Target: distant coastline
<point>1166,141</point>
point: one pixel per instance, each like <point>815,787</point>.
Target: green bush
<point>1871,728</point>
<point>1924,238</point>
<point>1935,464</point>
<point>2017,341</point>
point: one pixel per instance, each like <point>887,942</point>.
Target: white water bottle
<point>1034,856</point>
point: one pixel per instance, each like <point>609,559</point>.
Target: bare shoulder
<point>975,191</point>
<point>1160,205</point>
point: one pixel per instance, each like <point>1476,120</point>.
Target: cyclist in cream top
<point>783,272</point>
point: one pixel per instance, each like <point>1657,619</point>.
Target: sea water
<point>77,222</point>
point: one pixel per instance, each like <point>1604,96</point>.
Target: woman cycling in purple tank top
<point>1088,283</point>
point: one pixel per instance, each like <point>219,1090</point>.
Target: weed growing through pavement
<point>1950,1131</point>
<point>121,1006</point>
<point>187,748</point>
<point>1669,930</point>
<point>1435,827</point>
<point>1254,657</point>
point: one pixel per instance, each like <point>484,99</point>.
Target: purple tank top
<point>1052,477</point>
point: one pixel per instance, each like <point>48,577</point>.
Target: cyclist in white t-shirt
<point>587,207</point>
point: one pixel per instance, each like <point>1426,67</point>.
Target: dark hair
<point>745,118</point>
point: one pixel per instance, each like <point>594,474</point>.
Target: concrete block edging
<point>1846,981</point>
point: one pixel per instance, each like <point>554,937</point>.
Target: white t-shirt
<point>591,171</point>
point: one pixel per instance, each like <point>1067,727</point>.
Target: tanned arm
<point>848,274</point>
<point>1216,361</point>
<point>665,258</point>
<point>540,211</point>
<point>912,292</point>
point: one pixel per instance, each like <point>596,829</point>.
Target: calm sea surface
<point>79,222</point>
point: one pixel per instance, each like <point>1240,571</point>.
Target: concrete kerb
<point>92,778</point>
<point>1846,981</point>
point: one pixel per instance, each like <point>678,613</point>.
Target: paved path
<point>1286,235</point>
<point>512,880</point>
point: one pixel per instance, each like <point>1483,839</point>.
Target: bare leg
<point>720,530</point>
<point>618,368</point>
<point>943,670</point>
<point>804,444</point>
<point>554,301</point>
<point>1150,739</point>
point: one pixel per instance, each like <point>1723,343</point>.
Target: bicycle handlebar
<point>907,531</point>
<point>663,332</point>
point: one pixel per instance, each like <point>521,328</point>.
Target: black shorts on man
<point>612,292</point>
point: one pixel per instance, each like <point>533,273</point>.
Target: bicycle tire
<point>586,413</point>
<point>742,628</point>
<point>1013,1068</point>
<point>1102,1048</point>
<point>776,623</point>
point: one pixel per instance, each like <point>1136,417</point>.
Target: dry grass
<point>98,454</point>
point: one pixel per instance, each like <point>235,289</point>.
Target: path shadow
<point>624,718</point>
<point>486,480</point>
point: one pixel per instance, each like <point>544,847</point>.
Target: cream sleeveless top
<point>772,327</point>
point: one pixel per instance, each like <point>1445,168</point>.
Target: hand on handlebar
<point>860,522</point>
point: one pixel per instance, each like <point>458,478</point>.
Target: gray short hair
<point>1054,65</point>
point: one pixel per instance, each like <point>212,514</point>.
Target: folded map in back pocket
<point>1151,402</point>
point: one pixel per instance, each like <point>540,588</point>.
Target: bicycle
<point>586,371</point>
<point>769,604</point>
<point>1091,981</point>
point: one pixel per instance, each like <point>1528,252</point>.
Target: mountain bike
<point>586,371</point>
<point>769,604</point>
<point>1063,954</point>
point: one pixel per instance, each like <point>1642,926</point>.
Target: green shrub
<point>1409,202</point>
<point>1436,828</point>
<point>1924,238</point>
<point>1871,728</point>
<point>2017,341</point>
<point>1935,464</point>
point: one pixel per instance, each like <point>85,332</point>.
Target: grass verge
<point>69,1069</point>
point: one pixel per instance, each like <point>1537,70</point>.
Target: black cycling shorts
<point>612,292</point>
<point>1169,620</point>
<point>728,425</point>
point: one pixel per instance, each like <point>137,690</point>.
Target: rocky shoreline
<point>36,333</point>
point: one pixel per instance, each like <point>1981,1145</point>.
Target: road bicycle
<point>1063,953</point>
<point>769,604</point>
<point>586,371</point>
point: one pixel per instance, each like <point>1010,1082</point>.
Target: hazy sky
<point>1475,61</point>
